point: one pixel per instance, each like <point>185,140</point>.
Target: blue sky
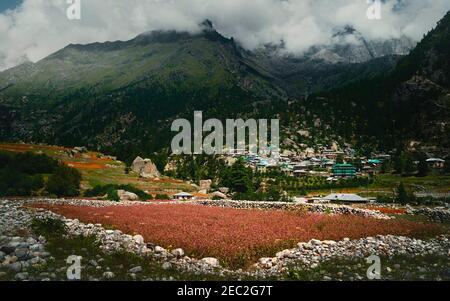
<point>5,4</point>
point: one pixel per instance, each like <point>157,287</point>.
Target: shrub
<point>65,182</point>
<point>101,190</point>
<point>162,197</point>
<point>21,174</point>
<point>48,226</point>
<point>28,163</point>
<point>113,195</point>
<point>15,183</point>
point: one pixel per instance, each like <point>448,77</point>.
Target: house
<point>345,198</point>
<point>344,171</point>
<point>183,196</point>
<point>436,162</point>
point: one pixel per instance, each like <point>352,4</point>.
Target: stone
<point>36,247</point>
<point>145,168</point>
<point>138,239</point>
<point>135,270</point>
<point>178,253</point>
<point>329,242</point>
<point>21,276</point>
<point>126,196</point>
<point>224,190</point>
<point>265,262</point>
<point>205,185</point>
<point>220,195</point>
<point>108,275</point>
<point>211,261</point>
<point>285,254</point>
<point>315,242</point>
<point>159,249</point>
<point>16,266</point>
<point>166,266</point>
<point>7,249</point>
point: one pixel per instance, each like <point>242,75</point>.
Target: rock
<point>138,239</point>
<point>265,263</point>
<point>2,255</point>
<point>159,249</point>
<point>126,196</point>
<point>108,275</point>
<point>16,266</point>
<point>315,242</point>
<point>220,195</point>
<point>211,261</point>
<point>224,190</point>
<point>21,253</point>
<point>21,276</point>
<point>135,270</point>
<point>178,253</point>
<point>36,247</point>
<point>285,254</point>
<point>166,266</point>
<point>205,185</point>
<point>7,249</point>
<point>329,242</point>
<point>93,263</point>
<point>145,168</point>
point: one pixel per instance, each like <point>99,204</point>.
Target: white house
<point>345,198</point>
<point>183,196</point>
<point>436,162</point>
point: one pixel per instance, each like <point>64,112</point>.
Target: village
<point>330,163</point>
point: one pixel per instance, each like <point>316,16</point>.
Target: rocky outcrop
<point>145,168</point>
<point>127,196</point>
<point>220,195</point>
<point>205,185</point>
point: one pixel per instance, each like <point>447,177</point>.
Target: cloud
<point>39,27</point>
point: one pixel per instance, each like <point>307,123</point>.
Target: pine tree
<point>423,166</point>
<point>402,195</point>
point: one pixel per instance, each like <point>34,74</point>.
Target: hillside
<point>122,96</point>
<point>98,169</point>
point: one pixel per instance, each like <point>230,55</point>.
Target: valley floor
<point>35,246</point>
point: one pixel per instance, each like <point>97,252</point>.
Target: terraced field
<point>98,169</point>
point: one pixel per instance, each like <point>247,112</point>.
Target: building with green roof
<point>344,170</point>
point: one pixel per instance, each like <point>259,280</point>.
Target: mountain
<point>409,106</point>
<point>347,57</point>
<point>121,97</point>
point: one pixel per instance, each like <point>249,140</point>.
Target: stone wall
<point>319,208</point>
<point>436,215</point>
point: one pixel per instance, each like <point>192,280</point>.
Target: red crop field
<point>388,210</point>
<point>236,237</point>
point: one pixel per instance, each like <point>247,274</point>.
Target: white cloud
<point>40,27</point>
